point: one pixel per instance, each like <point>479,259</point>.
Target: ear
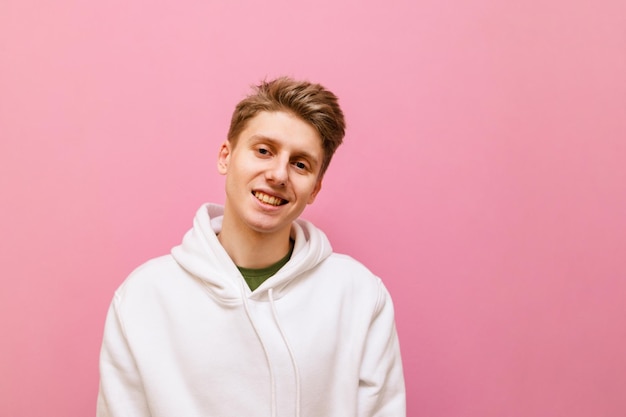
<point>223,158</point>
<point>318,187</point>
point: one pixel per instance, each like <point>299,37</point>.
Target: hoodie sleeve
<point>381,383</point>
<point>121,391</point>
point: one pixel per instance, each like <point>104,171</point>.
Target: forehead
<point>284,129</point>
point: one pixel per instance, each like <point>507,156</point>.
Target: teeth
<point>274,201</point>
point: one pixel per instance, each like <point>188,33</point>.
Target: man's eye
<point>300,165</point>
<point>263,151</point>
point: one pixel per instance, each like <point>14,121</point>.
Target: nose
<point>277,173</point>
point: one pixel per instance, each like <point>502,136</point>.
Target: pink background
<point>483,178</point>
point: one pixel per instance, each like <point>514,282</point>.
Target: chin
<point>271,227</point>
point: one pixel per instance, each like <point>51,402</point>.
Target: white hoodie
<point>185,336</point>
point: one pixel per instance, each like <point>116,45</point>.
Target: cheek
<point>309,191</point>
<point>244,177</point>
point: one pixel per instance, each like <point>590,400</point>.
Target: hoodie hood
<point>202,255</point>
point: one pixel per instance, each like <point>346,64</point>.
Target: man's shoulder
<point>345,267</point>
<point>346,261</point>
<point>156,271</point>
<point>345,280</point>
<point>153,266</point>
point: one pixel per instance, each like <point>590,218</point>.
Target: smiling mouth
<point>269,199</point>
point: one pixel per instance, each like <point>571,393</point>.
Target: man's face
<point>272,172</point>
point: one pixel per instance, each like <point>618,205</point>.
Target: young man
<point>253,314</point>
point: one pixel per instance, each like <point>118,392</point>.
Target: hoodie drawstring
<point>267,356</point>
<point>291,355</point>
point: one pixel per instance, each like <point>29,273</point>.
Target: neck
<point>250,249</point>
